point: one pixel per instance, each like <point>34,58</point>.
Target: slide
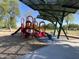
<point>39,32</point>
<point>16,31</point>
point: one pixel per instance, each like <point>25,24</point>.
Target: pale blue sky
<point>26,11</point>
<point>76,18</point>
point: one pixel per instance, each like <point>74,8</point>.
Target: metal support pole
<point>61,22</point>
<point>57,19</point>
<point>55,29</point>
<point>61,27</point>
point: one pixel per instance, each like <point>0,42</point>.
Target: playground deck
<point>12,47</point>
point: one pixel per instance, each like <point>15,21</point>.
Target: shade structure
<point>53,10</point>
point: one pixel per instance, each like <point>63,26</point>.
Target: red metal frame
<point>29,17</point>
<point>40,25</point>
<point>22,24</point>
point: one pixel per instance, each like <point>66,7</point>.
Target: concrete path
<point>60,49</point>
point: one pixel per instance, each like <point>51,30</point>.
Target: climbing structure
<point>31,27</point>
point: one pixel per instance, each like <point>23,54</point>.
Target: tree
<point>11,10</point>
<point>69,18</point>
<point>72,27</point>
<point>50,26</point>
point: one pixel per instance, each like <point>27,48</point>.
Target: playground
<point>33,39</point>
<point>27,38</point>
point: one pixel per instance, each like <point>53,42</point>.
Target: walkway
<point>61,49</point>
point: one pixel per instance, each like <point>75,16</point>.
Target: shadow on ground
<point>55,51</point>
<point>12,47</point>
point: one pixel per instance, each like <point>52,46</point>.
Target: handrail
<point>29,17</point>
<point>40,25</point>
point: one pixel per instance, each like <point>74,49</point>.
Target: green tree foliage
<point>11,10</point>
<point>50,26</point>
<point>1,23</point>
<point>69,18</point>
<point>72,26</point>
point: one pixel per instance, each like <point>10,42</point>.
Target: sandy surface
<point>15,46</point>
<point>12,46</point>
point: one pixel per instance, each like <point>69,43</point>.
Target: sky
<point>26,11</point>
<point>76,21</point>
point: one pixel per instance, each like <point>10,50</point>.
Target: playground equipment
<point>22,25</point>
<point>34,24</point>
<point>31,28</point>
<point>27,28</point>
<point>31,25</point>
<point>41,29</point>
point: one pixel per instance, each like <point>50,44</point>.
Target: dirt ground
<point>12,46</point>
<point>15,46</point>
